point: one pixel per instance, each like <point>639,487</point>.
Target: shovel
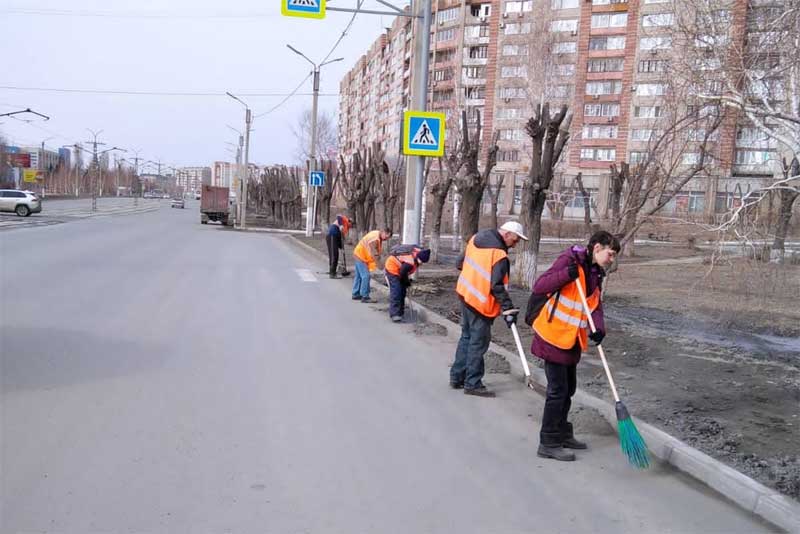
<point>522,356</point>
<point>344,272</point>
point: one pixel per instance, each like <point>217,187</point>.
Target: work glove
<point>405,282</point>
<point>597,337</point>
<point>510,316</point>
<point>572,271</point>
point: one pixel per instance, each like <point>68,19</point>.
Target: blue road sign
<point>310,9</point>
<point>423,133</point>
<point>316,179</point>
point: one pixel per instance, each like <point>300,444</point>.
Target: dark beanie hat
<point>424,255</point>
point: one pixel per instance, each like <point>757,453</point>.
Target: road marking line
<point>306,275</point>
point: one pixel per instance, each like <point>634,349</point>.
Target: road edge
<point>745,492</point>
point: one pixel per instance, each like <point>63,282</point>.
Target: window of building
<point>515,50</point>
<point>651,89</point>
<point>753,157</point>
<point>516,71</point>
<point>637,156</point>
<point>508,155</point>
<point>476,31</point>
<point>519,7</point>
<point>476,92</point>
<point>478,72</point>
<point>445,35</point>
<point>706,110</point>
<point>513,92</point>
<point>566,47</point>
<point>565,69</point>
<point>564,4</point>
<point>644,134</point>
<point>609,20</point>
<point>605,65</point>
<point>595,131</point>
<point>444,56</point>
<point>441,75</point>
<point>446,15</point>
<point>656,1</point>
<point>601,110</point>
<point>604,87</point>
<point>690,158</point>
<point>564,25</point>
<point>608,2</point>
<point>480,10</point>
<point>753,138</point>
<point>647,112</point>
<point>517,195</point>
<point>706,63</point>
<point>508,113</point>
<point>558,91</point>
<point>579,201</point>
<point>653,65</point>
<point>711,41</point>
<point>478,52</point>
<point>607,42</point>
<point>509,135</point>
<point>655,43</point>
<point>699,134</point>
<point>657,20</point>
<point>598,154</point>
<point>514,28</point>
<point>442,96</point>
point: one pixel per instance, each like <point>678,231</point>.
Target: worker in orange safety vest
<point>402,262</point>
<point>483,290</point>
<point>367,254</point>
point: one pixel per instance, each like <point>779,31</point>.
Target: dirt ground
<point>709,353</point>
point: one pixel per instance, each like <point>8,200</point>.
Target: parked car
<point>23,203</point>
<point>178,203</point>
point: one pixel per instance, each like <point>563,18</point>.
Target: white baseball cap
<point>515,228</point>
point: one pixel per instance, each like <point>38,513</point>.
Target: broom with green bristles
<point>633,446</point>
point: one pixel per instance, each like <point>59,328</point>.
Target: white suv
<point>23,203</point>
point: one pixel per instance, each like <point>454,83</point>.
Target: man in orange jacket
<point>402,262</point>
<point>482,288</point>
<point>367,253</point>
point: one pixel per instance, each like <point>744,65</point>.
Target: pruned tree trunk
<point>587,208</point>
<point>494,193</point>
<point>438,191</point>
<point>549,136</point>
<point>787,198</point>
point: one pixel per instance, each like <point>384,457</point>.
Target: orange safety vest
<point>394,263</point>
<point>562,319</point>
<point>363,252</point>
<point>475,281</point>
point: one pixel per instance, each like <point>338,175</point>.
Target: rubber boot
<point>550,447</point>
<point>568,440</point>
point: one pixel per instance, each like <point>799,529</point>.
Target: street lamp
<point>42,167</point>
<point>243,201</point>
<point>311,205</point>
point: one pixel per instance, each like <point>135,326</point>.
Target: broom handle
<point>599,347</point>
<point>521,352</point>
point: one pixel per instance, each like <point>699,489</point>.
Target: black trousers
<point>561,384</point>
<point>334,244</point>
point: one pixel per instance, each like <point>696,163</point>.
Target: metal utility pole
<point>41,166</point>
<point>412,231</point>
<point>311,197</point>
<point>247,122</point>
<point>96,165</point>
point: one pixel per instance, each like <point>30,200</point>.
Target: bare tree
<point>587,206</point>
<point>358,181</point>
<point>549,134</point>
<point>389,190</point>
<point>327,140</point>
<point>471,181</point>
<point>494,197</point>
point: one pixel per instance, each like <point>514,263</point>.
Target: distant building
<point>192,178</point>
<point>223,173</point>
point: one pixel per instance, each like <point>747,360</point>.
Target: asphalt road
<point>58,211</point>
<point>163,376</point>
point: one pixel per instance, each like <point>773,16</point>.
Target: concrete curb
<point>747,493</point>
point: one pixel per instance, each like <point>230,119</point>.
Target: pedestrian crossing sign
<point>423,133</point>
<point>310,9</point>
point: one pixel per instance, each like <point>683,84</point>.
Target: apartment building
<point>191,179</point>
<point>611,61</point>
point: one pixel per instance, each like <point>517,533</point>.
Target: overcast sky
<point>170,46</point>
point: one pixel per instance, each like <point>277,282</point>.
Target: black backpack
<point>535,304</point>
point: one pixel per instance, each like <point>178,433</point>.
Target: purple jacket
<point>554,279</point>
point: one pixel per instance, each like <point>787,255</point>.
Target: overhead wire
<point>153,93</point>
